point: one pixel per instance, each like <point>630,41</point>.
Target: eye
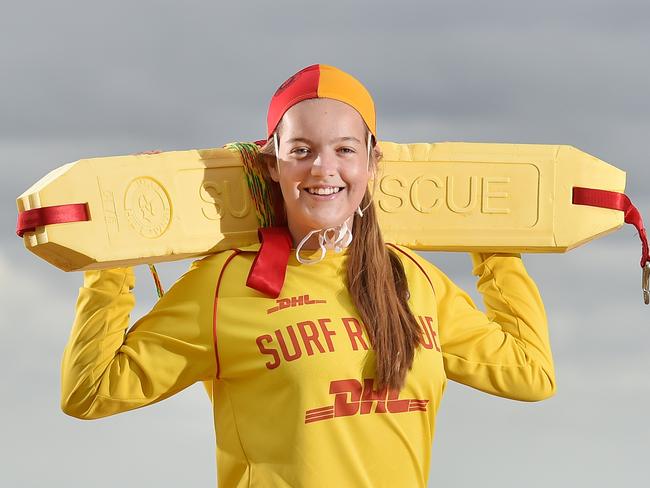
<point>347,150</point>
<point>300,151</point>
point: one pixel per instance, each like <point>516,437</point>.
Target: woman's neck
<point>313,242</point>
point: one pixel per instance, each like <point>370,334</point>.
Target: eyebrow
<point>303,139</point>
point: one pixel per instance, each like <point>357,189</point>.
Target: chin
<point>306,217</point>
<point>327,222</point>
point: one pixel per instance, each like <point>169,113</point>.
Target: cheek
<point>290,192</point>
<point>289,179</point>
<point>358,180</point>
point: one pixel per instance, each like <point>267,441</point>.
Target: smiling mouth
<point>330,190</point>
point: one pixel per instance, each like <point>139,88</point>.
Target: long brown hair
<point>377,285</point>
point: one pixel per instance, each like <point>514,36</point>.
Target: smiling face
<point>322,170</point>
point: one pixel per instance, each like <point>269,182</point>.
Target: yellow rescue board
<point>449,196</point>
<point>456,196</point>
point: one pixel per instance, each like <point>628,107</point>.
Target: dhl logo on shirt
<point>352,397</point>
<point>283,303</point>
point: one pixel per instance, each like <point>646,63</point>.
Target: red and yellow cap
<point>321,81</point>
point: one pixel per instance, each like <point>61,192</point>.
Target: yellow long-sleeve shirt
<point>292,378</point>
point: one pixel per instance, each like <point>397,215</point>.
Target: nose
<point>324,165</point>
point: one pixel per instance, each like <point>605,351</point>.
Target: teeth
<point>323,191</point>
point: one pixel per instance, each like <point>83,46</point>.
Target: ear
<point>376,157</point>
<point>272,166</point>
<point>377,152</point>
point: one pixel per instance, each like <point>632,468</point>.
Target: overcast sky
<point>82,79</point>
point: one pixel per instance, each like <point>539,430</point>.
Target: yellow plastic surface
<point>450,196</point>
<point>456,196</point>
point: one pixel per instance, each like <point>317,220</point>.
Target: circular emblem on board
<point>147,207</point>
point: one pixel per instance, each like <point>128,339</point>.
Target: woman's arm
<point>506,351</point>
<point>107,370</point>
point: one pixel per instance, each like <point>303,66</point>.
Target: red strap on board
<point>615,201</point>
<point>28,220</point>
<point>270,265</point>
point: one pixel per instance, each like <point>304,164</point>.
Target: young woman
<point>325,350</point>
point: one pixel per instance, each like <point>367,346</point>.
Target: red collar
<point>269,267</point>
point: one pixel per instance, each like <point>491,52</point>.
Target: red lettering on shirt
<point>298,301</point>
<point>308,338</point>
<point>327,333</point>
<point>340,390</point>
<point>371,396</point>
<point>428,335</point>
<point>433,332</point>
<point>297,352</point>
<point>265,350</point>
<point>352,397</point>
<point>355,332</point>
<point>288,345</point>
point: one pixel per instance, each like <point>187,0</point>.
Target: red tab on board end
<point>28,220</point>
<point>269,267</point>
<point>620,201</point>
<point>615,201</point>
